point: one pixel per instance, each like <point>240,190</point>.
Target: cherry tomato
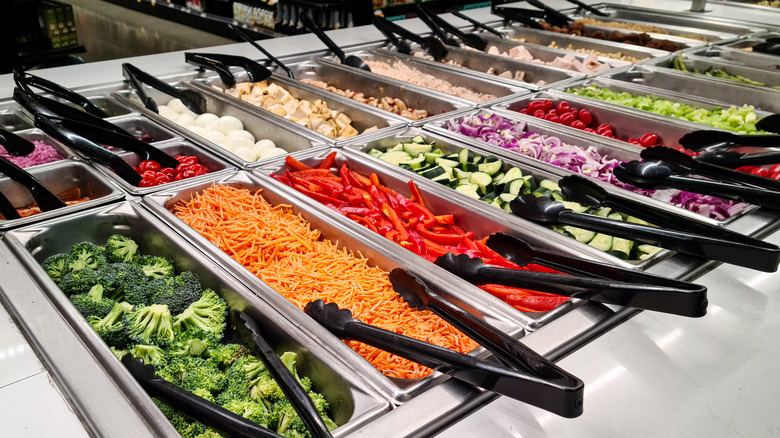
<point>146,183</point>
<point>170,171</point>
<point>547,104</point>
<point>562,107</point>
<point>182,167</point>
<point>187,159</point>
<point>536,105</point>
<point>603,128</point>
<point>587,129</point>
<point>552,112</point>
<point>585,117</point>
<point>744,168</point>
<point>760,171</point>
<point>648,140</point>
<point>199,168</point>
<point>524,111</point>
<point>137,170</point>
<point>538,113</point>
<point>775,170</point>
<point>553,118</point>
<point>567,119</point>
<point>189,173</point>
<point>578,124</point>
<point>634,141</point>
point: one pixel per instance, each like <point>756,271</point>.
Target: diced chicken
<point>244,88</point>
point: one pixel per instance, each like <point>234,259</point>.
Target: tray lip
<point>114,194</point>
<point>113,367</point>
<point>156,204</point>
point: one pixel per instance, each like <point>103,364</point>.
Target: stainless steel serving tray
<point>545,53</point>
<point>729,92</point>
<point>352,401</point>
<point>381,253</point>
<point>673,96</point>
<point>737,57</point>
<point>481,62</point>
<point>455,76</point>
<point>701,63</point>
<point>173,148</point>
<point>721,32</point>
<point>682,21</point>
<point>59,177</point>
<point>437,104</point>
<point>224,105</point>
<point>363,117</point>
<point>544,38</point>
<point>682,41</point>
<point>625,124</point>
<point>604,146</point>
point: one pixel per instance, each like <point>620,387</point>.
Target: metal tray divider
<point>371,246</point>
<point>361,389</point>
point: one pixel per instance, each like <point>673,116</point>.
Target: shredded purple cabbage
<point>42,154</point>
<point>512,135</point>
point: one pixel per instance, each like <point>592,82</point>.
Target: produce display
<point>399,70</point>
<point>283,251</point>
<point>311,115</point>
<point>154,174</point>
<point>512,135</point>
<point>407,221</point>
<point>70,197</point>
<point>140,305</point>
<point>492,181</point>
<point>387,103</point>
<point>517,75</point>
<point>679,64</point>
<point>635,26</point>
<point>612,55</point>
<point>227,132</point>
<point>740,119</point>
<point>42,154</point>
<point>637,39</point>
<point>581,119</point>
<point>772,3</point>
<point>589,65</point>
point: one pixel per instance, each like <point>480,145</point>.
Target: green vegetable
<point>92,303</point>
<point>85,255</point>
<point>151,354</point>
<point>121,249</point>
<point>56,266</point>
<point>207,314</point>
<point>156,267</point>
<point>111,328</point>
<point>150,325</point>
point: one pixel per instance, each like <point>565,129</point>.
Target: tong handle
<point>735,159</point>
<point>753,195</point>
<point>45,198</point>
<point>443,24</point>
<point>197,407</point>
<point>25,79</point>
<point>478,23</point>
<point>423,15</point>
<point>489,375</point>
<point>379,23</point>
<point>317,30</point>
<point>138,77</point>
<point>588,8</point>
<point>7,209</point>
<point>552,15</point>
<point>402,31</point>
<point>290,387</point>
<point>14,144</point>
<point>515,15</point>
<point>737,253</point>
<point>268,54</point>
<point>220,63</point>
<point>71,139</point>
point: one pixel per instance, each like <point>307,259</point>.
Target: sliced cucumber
<point>483,180</point>
<point>616,216</point>
<point>603,211</point>
<point>444,162</point>
<point>431,157</point>
<point>515,187</point>
<point>622,246</point>
<point>435,172</point>
<point>460,173</point>
<point>375,152</point>
<point>581,234</point>
<point>575,206</point>
<point>507,207</point>
<point>491,167</point>
<point>557,196</point>
<point>548,184</point>
<point>415,149</point>
<point>602,242</point>
<point>507,197</point>
<point>444,178</point>
<point>511,174</point>
<point>415,163</point>
<point>398,147</point>
<point>465,156</point>
<point>420,139</point>
<point>469,190</point>
<point>395,157</point>
<point>496,203</point>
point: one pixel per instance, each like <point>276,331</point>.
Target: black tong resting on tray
<point>44,197</point>
<point>520,15</point>
<point>220,418</point>
<point>680,234</point>
<point>528,377</point>
<point>221,64</point>
<point>137,78</point>
<point>439,26</point>
<point>669,296</point>
<point>714,141</point>
<point>734,159</point>
<point>351,60</point>
<point>478,24</point>
<point>15,145</point>
<point>25,80</point>
<point>431,45</point>
<point>268,55</point>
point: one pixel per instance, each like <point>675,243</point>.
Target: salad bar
<point>387,236</point>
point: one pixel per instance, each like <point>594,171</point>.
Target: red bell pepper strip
<point>445,219</point>
<point>355,210</point>
<point>426,217</point>
<point>333,187</point>
<point>377,196</point>
<point>441,238</point>
<point>361,220</point>
<point>537,302</point>
<point>416,196</point>
<point>312,173</point>
<point>328,161</point>
<point>295,164</point>
<point>360,180</point>
<point>398,224</point>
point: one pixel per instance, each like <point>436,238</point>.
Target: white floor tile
<point>17,360</point>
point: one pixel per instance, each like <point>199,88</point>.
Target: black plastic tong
<point>25,80</point>
<point>15,145</point>
<point>137,78</point>
<point>717,140</point>
<point>221,64</point>
<point>431,45</point>
<point>683,299</point>
<point>734,159</point>
<point>429,21</point>
<point>351,60</point>
<point>491,375</point>
<point>206,412</point>
<point>401,45</point>
<point>513,14</point>
<point>469,39</point>
<point>550,387</point>
<point>44,197</point>
<point>268,54</point>
<point>588,8</point>
<point>477,23</point>
<point>289,386</point>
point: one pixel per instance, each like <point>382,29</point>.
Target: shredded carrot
<point>283,251</point>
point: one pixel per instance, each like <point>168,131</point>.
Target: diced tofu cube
<point>278,109</point>
<point>244,87</point>
<point>342,120</point>
<point>326,130</point>
<point>348,131</point>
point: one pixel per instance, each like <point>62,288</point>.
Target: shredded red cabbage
<point>512,135</point>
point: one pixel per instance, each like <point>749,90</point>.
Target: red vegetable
<point>585,117</point>
<point>648,140</point>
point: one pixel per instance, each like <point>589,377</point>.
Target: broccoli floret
<point>79,282</point>
<point>112,328</point>
<point>156,267</point>
<point>286,418</point>
<point>92,303</point>
<point>118,278</point>
<point>224,355</point>
<point>210,433</point>
<point>207,313</point>
<point>85,255</point>
<point>184,424</point>
<point>290,361</point>
<point>178,292</point>
<point>191,343</point>
<point>252,411</point>
<point>322,406</point>
<point>237,387</point>
<point>118,353</point>
<point>140,292</point>
<point>121,249</point>
<point>204,393</point>
<point>55,266</point>
<point>150,325</point>
<point>200,373</point>
<point>151,354</point>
